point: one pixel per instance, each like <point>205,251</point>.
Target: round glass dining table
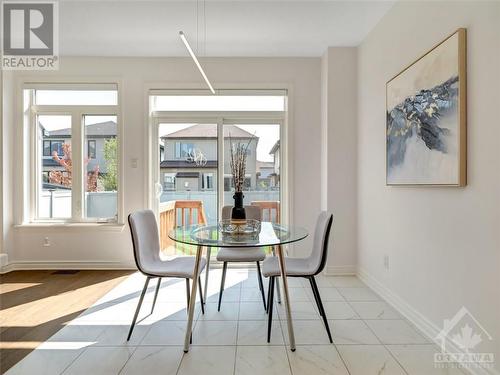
<point>270,234</point>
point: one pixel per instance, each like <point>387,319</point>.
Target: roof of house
<point>188,174</point>
<point>50,163</point>
<point>275,148</point>
<point>204,131</point>
<point>107,128</point>
<point>264,164</point>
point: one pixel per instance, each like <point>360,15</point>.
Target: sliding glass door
<point>191,138</point>
<point>194,175</point>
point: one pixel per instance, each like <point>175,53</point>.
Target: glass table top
<point>210,235</point>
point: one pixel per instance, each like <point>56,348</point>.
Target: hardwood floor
<point>36,304</point>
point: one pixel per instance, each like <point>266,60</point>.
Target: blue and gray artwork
<point>420,133</point>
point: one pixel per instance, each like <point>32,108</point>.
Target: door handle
<point>159,189</point>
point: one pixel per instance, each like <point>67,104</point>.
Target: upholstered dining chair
<point>241,254</point>
<point>302,267</point>
<point>146,243</point>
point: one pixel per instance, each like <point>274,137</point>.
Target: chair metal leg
<point>187,292</point>
<point>223,280</point>
<point>315,295</point>
<point>320,306</point>
<point>261,285</point>
<point>201,296</point>
<point>278,290</point>
<point>141,298</point>
<point>207,269</point>
<point>188,287</point>
<point>270,308</point>
<point>156,294</point>
<point>268,295</point>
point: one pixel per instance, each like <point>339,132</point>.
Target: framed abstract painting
<point>426,118</point>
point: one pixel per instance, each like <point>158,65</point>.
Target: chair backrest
<point>145,239</point>
<point>317,259</point>
<point>251,212</point>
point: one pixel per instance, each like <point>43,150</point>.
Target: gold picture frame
<point>426,118</point>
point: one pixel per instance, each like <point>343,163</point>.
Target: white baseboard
<point>415,317</point>
<point>64,265</point>
<point>340,270</point>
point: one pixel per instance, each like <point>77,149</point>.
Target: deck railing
<point>175,213</point>
<point>270,210</point>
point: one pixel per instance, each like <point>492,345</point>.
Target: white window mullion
<point>77,174</point>
<point>33,152</point>
<point>220,164</point>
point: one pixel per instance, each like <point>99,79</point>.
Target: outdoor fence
<point>57,203</point>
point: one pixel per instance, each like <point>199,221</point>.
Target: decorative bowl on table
<point>240,230</point>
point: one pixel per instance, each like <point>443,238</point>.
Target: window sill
<point>114,226</point>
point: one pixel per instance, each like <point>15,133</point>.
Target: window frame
<point>34,155</point>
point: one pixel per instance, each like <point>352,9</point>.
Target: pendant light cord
<point>203,50</point>
<point>197,31</point>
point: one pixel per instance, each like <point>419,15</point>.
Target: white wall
<point>111,247</point>
<point>6,167</point>
<point>339,127</point>
<point>443,243</point>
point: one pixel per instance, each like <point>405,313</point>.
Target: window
<point>55,195</point>
<point>169,181</point>
<point>273,102</point>
<point>51,146</point>
<point>91,149</point>
<point>101,167</point>
<point>207,182</point>
<point>76,97</point>
<point>76,153</point>
<point>183,150</point>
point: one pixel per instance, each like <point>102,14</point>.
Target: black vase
<point>238,211</point>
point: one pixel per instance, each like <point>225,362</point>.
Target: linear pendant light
<point>193,56</point>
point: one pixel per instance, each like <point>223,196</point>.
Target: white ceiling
<point>233,28</point>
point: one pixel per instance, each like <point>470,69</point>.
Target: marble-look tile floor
<point>370,337</point>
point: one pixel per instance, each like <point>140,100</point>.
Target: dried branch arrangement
<point>238,163</point>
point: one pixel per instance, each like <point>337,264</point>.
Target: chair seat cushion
<point>241,254</point>
<point>182,267</point>
<point>294,267</point>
